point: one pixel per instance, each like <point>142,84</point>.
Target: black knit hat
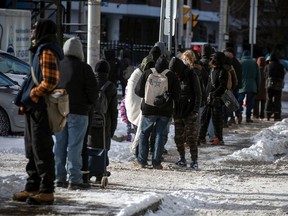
<point>230,50</point>
<point>102,66</point>
<point>161,64</point>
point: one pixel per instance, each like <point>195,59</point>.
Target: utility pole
<point>253,24</point>
<point>171,26</point>
<point>180,23</point>
<point>222,25</point>
<point>188,27</point>
<point>93,39</point>
<point>59,21</point>
<point>161,27</point>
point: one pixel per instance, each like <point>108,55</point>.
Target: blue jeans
<point>146,129</point>
<point>211,132</point>
<point>250,97</point>
<point>68,148</point>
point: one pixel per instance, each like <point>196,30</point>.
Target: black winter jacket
<point>79,80</point>
<point>173,89</point>
<point>191,92</point>
<point>112,113</point>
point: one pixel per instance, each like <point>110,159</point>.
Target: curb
<point>152,207</point>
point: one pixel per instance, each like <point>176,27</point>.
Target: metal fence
<point>136,51</point>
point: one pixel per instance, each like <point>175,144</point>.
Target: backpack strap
<point>153,70</point>
<point>106,84</point>
<point>165,72</point>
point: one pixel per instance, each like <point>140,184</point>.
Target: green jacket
<point>250,75</point>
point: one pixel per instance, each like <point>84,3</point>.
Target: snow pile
<point>270,143</point>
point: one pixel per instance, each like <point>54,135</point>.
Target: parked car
<point>10,120</point>
<point>13,67</point>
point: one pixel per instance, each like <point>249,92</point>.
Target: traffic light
<point>195,20</point>
<point>186,14</point>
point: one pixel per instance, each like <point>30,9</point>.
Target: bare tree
<point>272,26</point>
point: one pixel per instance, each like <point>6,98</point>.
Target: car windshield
<point>6,81</point>
<point>11,65</point>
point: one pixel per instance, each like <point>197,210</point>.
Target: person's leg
<point>191,138</point>
<point>76,130</point>
<point>205,119</point>
<point>134,148</point>
<point>60,155</point>
<point>129,128</point>
<point>217,116</point>
<point>152,139</point>
<point>238,112</point>
<point>42,145</point>
<point>33,180</point>
<point>161,132</point>
<point>277,105</point>
<point>256,108</point>
<point>179,139</point>
<point>211,132</point>
<point>269,104</point>
<point>146,128</point>
<point>249,105</point>
<point>225,117</point>
<point>262,109</point>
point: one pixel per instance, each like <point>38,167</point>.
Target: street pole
<point>222,25</point>
<point>189,27</point>
<point>180,23</point>
<point>253,24</point>
<point>161,27</point>
<point>93,39</point>
<point>171,27</point>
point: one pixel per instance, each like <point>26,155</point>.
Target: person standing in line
<point>230,54</point>
<point>186,112</point>
<point>208,50</point>
<point>216,87</point>
<point>47,53</point>
<point>260,98</point>
<point>133,101</point>
<point>154,114</point>
<point>78,79</point>
<point>275,74</point>
<point>250,85</point>
<point>125,62</point>
<point>95,137</point>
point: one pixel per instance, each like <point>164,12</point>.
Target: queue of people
<point>185,90</point>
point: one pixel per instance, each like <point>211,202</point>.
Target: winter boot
<point>217,141</point>
<point>182,161</point>
<point>41,199</point>
<point>249,120</point>
<point>85,176</point>
<point>239,119</point>
<point>194,165</point>
<point>23,195</point>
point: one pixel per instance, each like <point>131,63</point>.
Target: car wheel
<point>4,123</point>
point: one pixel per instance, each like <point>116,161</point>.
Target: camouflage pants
<point>186,131</point>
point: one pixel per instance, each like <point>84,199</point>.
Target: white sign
<point>15,32</point>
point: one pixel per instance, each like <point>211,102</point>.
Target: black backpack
<point>100,108</point>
